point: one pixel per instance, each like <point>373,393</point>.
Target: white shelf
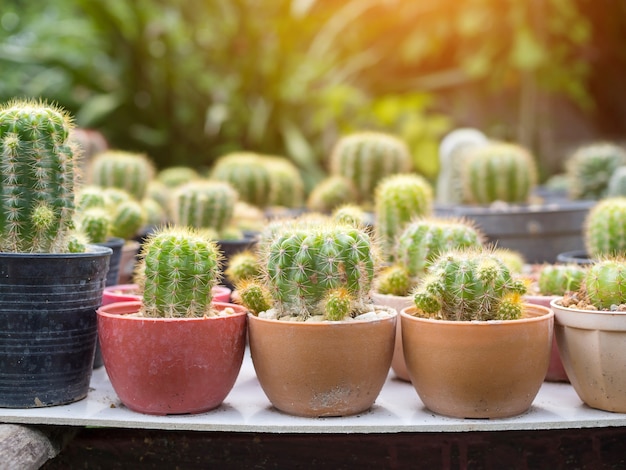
<point>246,409</point>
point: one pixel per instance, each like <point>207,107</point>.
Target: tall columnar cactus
<point>557,279</point>
<point>617,183</point>
<point>367,157</point>
<point>317,269</point>
<point>180,267</point>
<point>590,168</point>
<point>399,199</point>
<point>247,173</point>
<point>605,228</point>
<point>204,204</point>
<point>332,192</point>
<point>469,285</point>
<point>498,172</point>
<point>424,239</point>
<point>605,283</point>
<point>286,184</point>
<point>36,178</point>
<point>120,169</point>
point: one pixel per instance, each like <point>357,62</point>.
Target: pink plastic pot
<point>166,366</point>
<point>130,292</point>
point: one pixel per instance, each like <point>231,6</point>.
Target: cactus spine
<point>399,199</point>
<point>605,228</point>
<point>605,283</point>
<point>590,167</point>
<point>557,279</point>
<point>124,170</point>
<point>204,204</point>
<point>181,266</point>
<point>470,285</point>
<point>36,178</point>
<point>367,157</point>
<point>498,172</point>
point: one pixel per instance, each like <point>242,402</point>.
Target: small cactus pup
<point>332,192</point>
<point>243,265</point>
<point>591,167</point>
<point>469,285</point>
<point>498,171</point>
<point>557,279</point>
<point>317,271</point>
<point>129,171</point>
<point>399,199</point>
<point>605,228</point>
<point>180,269</point>
<point>37,178</point>
<point>367,157</point>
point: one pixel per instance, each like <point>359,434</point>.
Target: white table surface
<point>246,409</point>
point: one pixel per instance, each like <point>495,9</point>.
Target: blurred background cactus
<point>605,284</point>
<point>590,168</point>
<point>605,228</point>
<point>121,169</point>
<point>557,279</point>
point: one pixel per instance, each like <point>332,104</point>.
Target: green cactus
<point>513,259</point>
<point>605,228</point>
<point>304,263</point>
<point>154,212</point>
<point>247,173</point>
<point>37,178</point>
<point>89,196</point>
<point>204,204</point>
<point>128,218</point>
<point>557,279</point>
<point>498,172</point>
<point>180,267</point>
<point>120,169</point>
<point>95,223</point>
<point>617,183</point>
<point>365,158</point>
<point>286,184</point>
<point>330,193</point>
<point>590,169</point>
<point>350,214</point>
<point>254,296</point>
<point>394,280</point>
<point>242,265</point>
<point>605,283</point>
<point>399,199</point>
<point>424,239</point>
<point>174,176</point>
<point>468,285</point>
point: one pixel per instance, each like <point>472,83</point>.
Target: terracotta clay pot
<point>481,369</point>
<point>396,302</point>
<point>322,368</point>
<point>129,292</point>
<point>171,365</point>
<point>556,371</point>
<point>593,349</point>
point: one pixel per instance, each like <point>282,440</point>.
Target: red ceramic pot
<point>166,366</point>
<point>130,292</point>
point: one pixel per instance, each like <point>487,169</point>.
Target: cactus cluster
<point>557,279</point>
<point>367,157</point>
<point>37,178</point>
<point>124,170</point>
<point>605,283</point>
<point>590,168</point>
<point>469,285</point>
<point>180,267</point>
<point>330,193</point>
<point>605,228</point>
<point>310,269</point>
<point>498,171</point>
<point>399,199</point>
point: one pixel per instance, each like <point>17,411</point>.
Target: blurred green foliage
<point>187,81</point>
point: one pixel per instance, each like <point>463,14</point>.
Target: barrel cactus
<point>180,268</point>
<point>590,168</point>
<point>312,269</point>
<point>498,171</point>
<point>247,174</point>
<point>617,183</point>
<point>367,157</point>
<point>204,204</point>
<point>330,193</point>
<point>605,283</point>
<point>174,176</point>
<point>399,199</point>
<point>286,183</point>
<point>128,218</point>
<point>605,228</point>
<point>121,169</point>
<point>469,285</point>
<point>243,265</point>
<point>95,223</point>
<point>557,279</point>
<point>37,178</point>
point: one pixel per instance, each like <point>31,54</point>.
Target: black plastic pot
<point>48,325</point>
<point>574,257</point>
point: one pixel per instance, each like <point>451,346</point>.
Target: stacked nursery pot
<point>50,282</point>
<point>176,351</point>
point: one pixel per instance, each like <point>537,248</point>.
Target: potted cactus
<point>498,180</point>
<point>318,344</point>
<point>590,325</point>
<point>554,280</point>
<point>50,282</point>
<point>417,246</point>
<point>176,351</point>
<point>472,348</point>
<point>590,167</point>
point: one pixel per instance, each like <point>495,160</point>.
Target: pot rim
<point>319,324</point>
<point>539,317</point>
<point>133,307</point>
<point>93,250</point>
